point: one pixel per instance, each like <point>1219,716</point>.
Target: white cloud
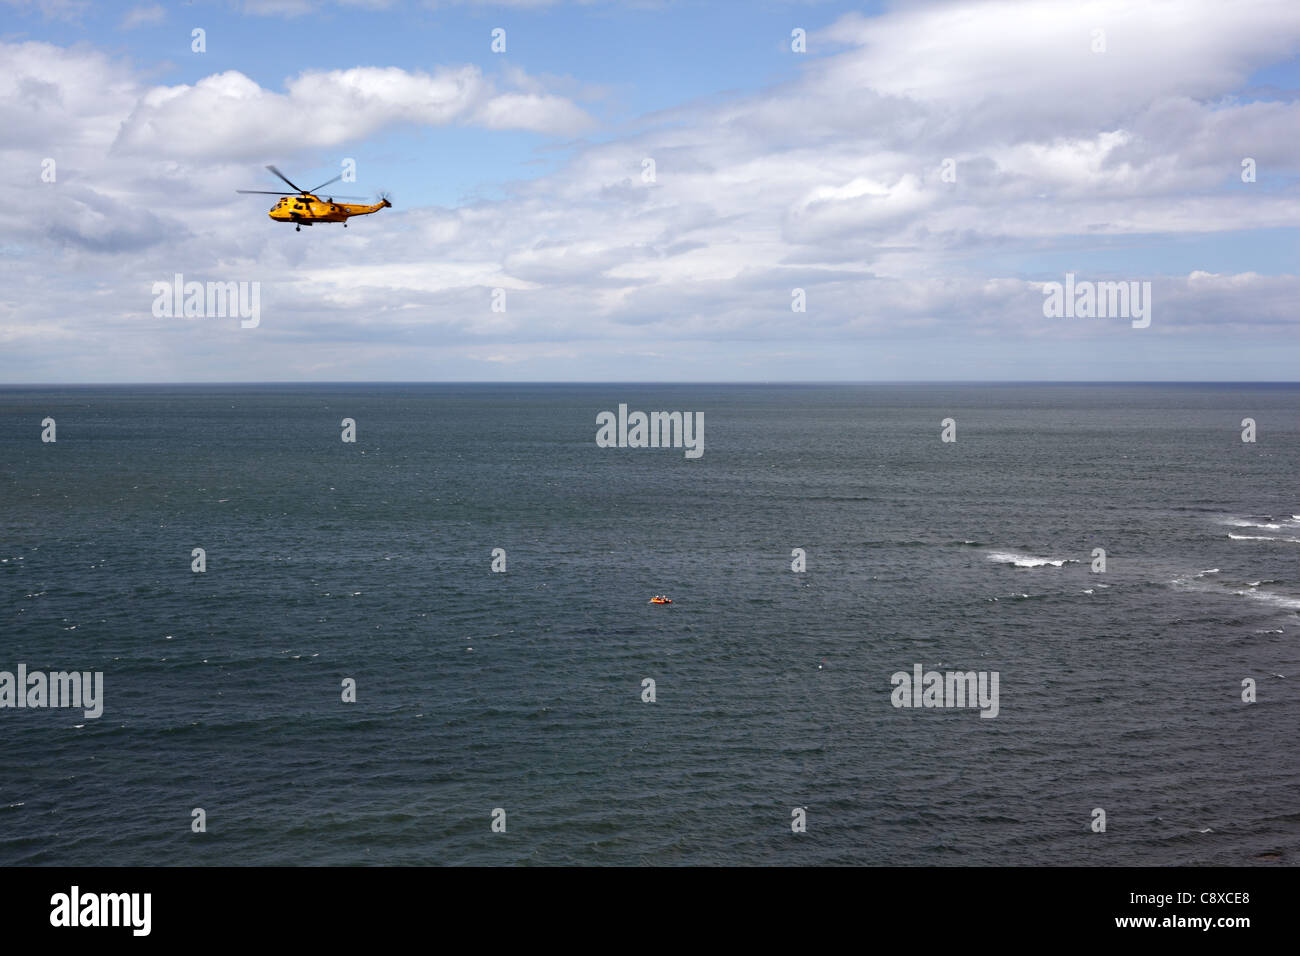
<point>143,15</point>
<point>69,10</point>
<point>227,115</point>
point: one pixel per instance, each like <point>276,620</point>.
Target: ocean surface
<point>522,690</point>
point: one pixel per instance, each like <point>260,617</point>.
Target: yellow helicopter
<point>307,208</point>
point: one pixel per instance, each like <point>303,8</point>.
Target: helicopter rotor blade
<point>286,179</point>
<point>326,183</point>
<point>268,192</point>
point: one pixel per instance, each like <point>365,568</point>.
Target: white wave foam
<point>1287,601</point>
<point>1027,560</point>
<point>1262,537</point>
<point>1270,597</point>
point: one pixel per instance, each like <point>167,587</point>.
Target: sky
<point>653,191</point>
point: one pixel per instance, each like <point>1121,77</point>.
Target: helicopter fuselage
<point>308,209</point>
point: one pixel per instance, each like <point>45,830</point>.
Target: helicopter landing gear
<point>345,225</point>
<point>297,228</point>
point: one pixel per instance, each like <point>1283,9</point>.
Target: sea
<point>349,681</point>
